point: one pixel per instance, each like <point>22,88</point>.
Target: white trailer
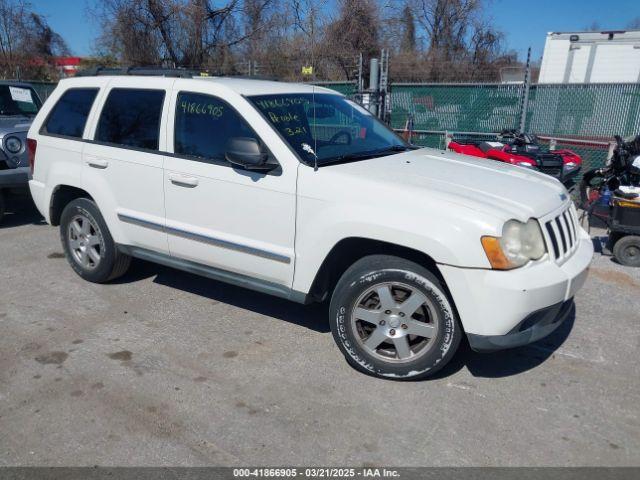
<point>591,57</point>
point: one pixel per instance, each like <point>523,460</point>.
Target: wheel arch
<point>62,195</point>
<point>351,249</point>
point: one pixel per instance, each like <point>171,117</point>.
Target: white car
<point>298,192</point>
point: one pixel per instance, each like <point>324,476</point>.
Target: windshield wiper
<point>365,155</point>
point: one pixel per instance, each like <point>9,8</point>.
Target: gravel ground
<point>165,368</point>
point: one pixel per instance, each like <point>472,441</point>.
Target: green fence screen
<point>453,107</point>
<point>582,110</point>
<point>592,112</point>
<point>585,110</point>
<point>345,88</point>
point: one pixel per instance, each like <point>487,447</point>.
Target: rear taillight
<point>31,152</point>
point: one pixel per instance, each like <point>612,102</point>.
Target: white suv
<point>296,191</point>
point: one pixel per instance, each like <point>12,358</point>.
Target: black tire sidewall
<point>619,250</point>
<point>88,208</point>
<point>351,287</point>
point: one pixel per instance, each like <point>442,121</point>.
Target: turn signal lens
<point>496,257</point>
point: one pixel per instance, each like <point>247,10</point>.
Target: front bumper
<point>503,309</point>
<point>535,326</point>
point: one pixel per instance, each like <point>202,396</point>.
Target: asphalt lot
<point>166,368</point>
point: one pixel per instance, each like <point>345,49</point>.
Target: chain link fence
<point>579,117</point>
<point>456,107</point>
<point>348,89</point>
<point>585,110</point>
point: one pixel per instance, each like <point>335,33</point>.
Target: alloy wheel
<point>85,242</point>
<point>395,322</point>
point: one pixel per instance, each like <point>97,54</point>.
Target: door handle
<point>183,181</point>
<point>96,162</point>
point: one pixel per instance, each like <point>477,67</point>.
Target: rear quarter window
<point>69,116</point>
<point>131,118</point>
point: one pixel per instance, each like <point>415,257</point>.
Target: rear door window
<point>131,118</point>
<point>69,116</point>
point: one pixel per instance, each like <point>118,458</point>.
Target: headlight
<point>519,243</point>
<point>526,165</point>
<point>13,144</point>
<point>570,166</point>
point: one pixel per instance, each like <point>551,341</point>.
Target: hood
<point>14,124</point>
<point>492,187</point>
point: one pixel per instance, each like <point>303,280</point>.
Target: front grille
<point>562,233</point>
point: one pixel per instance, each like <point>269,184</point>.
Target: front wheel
<point>392,318</point>
<point>88,245</point>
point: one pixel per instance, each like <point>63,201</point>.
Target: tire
<point>627,251</point>
<point>431,332</point>
<point>1,206</point>
<point>88,245</point>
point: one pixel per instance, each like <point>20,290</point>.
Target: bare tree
<point>10,36</point>
<point>408,42</point>
<point>282,36</point>
<point>354,31</point>
<point>460,42</point>
<point>27,42</point>
<point>191,33</point>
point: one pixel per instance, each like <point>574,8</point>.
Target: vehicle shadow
<point>20,210</point>
<point>312,316</point>
<point>506,363</point>
<point>503,363</point>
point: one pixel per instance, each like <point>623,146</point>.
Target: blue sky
<point>525,23</point>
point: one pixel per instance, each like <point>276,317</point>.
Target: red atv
<point>523,150</point>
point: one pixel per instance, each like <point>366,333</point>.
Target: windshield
<point>18,100</point>
<point>328,127</point>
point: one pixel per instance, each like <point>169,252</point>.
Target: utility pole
<point>374,84</point>
<point>384,85</point>
<point>360,77</point>
<point>525,97</point>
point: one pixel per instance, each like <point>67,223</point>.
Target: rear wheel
<point>88,245</point>
<point>392,318</point>
<point>627,251</point>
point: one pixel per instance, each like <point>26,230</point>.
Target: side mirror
<point>246,152</point>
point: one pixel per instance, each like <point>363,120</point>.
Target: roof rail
<point>142,71</point>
